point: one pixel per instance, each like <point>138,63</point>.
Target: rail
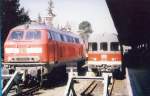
<point>28,92</point>
<point>70,91</point>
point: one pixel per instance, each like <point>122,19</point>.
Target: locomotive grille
<point>23,59</point>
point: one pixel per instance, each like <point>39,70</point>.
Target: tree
<point>50,9</point>
<point>50,13</point>
<point>12,16</point>
<point>85,27</point>
<point>85,30</point>
<point>39,18</point>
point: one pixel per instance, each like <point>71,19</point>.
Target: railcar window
<point>16,35</point>
<point>33,35</point>
<point>103,46</point>
<point>114,46</point>
<point>92,46</point>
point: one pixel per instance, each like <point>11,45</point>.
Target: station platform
<point>139,81</point>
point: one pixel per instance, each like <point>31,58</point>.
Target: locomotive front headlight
<point>94,59</point>
<point>104,56</point>
<point>9,59</point>
<point>113,59</point>
<point>34,50</point>
<point>11,50</point>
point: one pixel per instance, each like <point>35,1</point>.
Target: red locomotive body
<point>40,45</point>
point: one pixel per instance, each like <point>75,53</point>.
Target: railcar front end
<point>104,52</point>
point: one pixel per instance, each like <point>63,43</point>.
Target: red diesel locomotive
<point>40,47</point>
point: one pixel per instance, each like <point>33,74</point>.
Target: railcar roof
<point>103,37</point>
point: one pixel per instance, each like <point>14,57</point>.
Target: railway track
<point>89,89</point>
<point>93,88</point>
<point>28,92</point>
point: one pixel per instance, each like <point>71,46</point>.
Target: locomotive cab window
<point>92,46</point>
<point>33,35</point>
<point>103,46</point>
<point>114,46</point>
<point>16,35</point>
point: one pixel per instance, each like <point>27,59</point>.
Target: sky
<point>74,12</point>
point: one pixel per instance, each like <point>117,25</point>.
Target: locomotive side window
<point>62,37</point>
<point>33,35</point>
<point>65,38</point>
<point>72,39</point>
<point>69,39</point>
<point>56,36</point>
<point>103,46</point>
<point>49,35</point>
<point>16,35</point>
<point>76,40</point>
<point>53,35</point>
<point>114,46</point>
<point>92,46</point>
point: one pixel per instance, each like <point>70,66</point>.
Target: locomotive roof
<point>103,37</point>
<point>31,26</point>
<point>43,26</point>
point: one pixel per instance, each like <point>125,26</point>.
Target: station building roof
<point>131,19</point>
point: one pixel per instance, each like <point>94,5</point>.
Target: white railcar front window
<point>92,46</point>
<point>103,46</point>
<point>114,46</point>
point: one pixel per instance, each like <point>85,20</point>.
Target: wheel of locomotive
<point>40,77</point>
<point>30,81</point>
<point>57,76</point>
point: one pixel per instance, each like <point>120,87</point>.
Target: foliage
<point>39,18</point>
<point>12,15</point>
<point>50,8</point>
<point>85,27</point>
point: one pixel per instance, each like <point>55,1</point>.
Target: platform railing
<point>13,78</point>
<point>70,88</point>
<point>70,91</point>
